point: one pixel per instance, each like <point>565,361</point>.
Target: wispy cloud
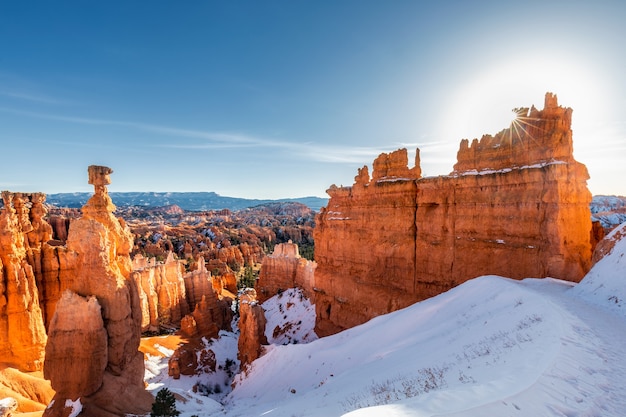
<point>232,140</point>
<point>32,97</point>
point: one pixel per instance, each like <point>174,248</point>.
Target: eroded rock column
<point>98,248</point>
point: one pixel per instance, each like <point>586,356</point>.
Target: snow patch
<point>290,318</point>
<point>76,406</point>
<point>489,171</point>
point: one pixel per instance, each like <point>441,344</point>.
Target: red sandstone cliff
<point>516,205</point>
<point>283,269</point>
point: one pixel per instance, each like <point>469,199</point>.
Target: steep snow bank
<point>488,338</point>
<point>605,284</point>
<point>492,346</point>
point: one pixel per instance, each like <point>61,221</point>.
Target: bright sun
<point>483,103</point>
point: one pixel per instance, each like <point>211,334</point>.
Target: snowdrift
<point>605,284</point>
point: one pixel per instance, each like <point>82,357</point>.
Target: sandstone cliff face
<point>22,332</point>
<point>516,205</point>
<point>161,290</point>
<point>284,269</point>
<point>251,328</point>
<point>98,247</point>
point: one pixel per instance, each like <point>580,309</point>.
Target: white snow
<point>490,347</point>
<point>76,407</point>
<point>7,406</point>
<point>290,318</point>
<point>488,171</point>
<point>605,285</point>
<point>394,179</point>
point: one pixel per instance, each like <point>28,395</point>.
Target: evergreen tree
<point>164,404</point>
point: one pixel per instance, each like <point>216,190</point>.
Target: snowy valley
<point>492,346</point>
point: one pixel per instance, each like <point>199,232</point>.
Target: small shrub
<point>164,404</point>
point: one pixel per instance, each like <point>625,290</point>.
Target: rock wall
<point>516,205</point>
<point>22,231</point>
<point>98,248</point>
<point>251,328</point>
<point>161,291</point>
<point>284,269</point>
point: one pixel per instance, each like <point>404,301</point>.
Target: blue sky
<point>273,99</point>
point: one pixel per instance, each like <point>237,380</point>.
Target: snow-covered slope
<point>605,284</point>
<point>490,347</point>
<point>608,210</point>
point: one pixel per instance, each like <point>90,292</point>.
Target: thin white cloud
<point>32,97</point>
<point>228,140</point>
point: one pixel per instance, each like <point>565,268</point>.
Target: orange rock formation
<point>283,269</point>
<point>161,291</point>
<point>251,328</point>
<point>110,383</point>
<point>516,205</point>
<point>22,230</point>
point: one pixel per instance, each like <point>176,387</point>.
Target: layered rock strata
<point>516,205</point>
<point>161,291</point>
<point>284,269</point>
<point>110,383</point>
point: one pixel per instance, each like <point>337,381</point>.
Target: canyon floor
<point>492,346</point>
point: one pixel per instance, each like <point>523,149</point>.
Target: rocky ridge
<point>516,205</point>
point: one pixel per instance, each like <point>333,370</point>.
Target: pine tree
<point>164,404</point>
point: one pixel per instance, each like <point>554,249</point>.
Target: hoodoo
<point>516,204</point>
<point>92,355</point>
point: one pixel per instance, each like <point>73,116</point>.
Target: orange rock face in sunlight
<point>516,205</point>
<point>22,231</point>
<point>161,291</point>
<point>97,253</point>
<point>283,269</point>
<point>251,328</point>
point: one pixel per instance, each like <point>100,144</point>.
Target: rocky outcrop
<point>22,231</point>
<point>284,269</point>
<point>161,290</point>
<point>251,328</point>
<point>191,359</point>
<point>98,247</point>
<point>211,298</point>
<point>76,354</point>
<point>516,205</point>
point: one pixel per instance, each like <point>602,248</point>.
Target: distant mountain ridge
<point>191,201</point>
